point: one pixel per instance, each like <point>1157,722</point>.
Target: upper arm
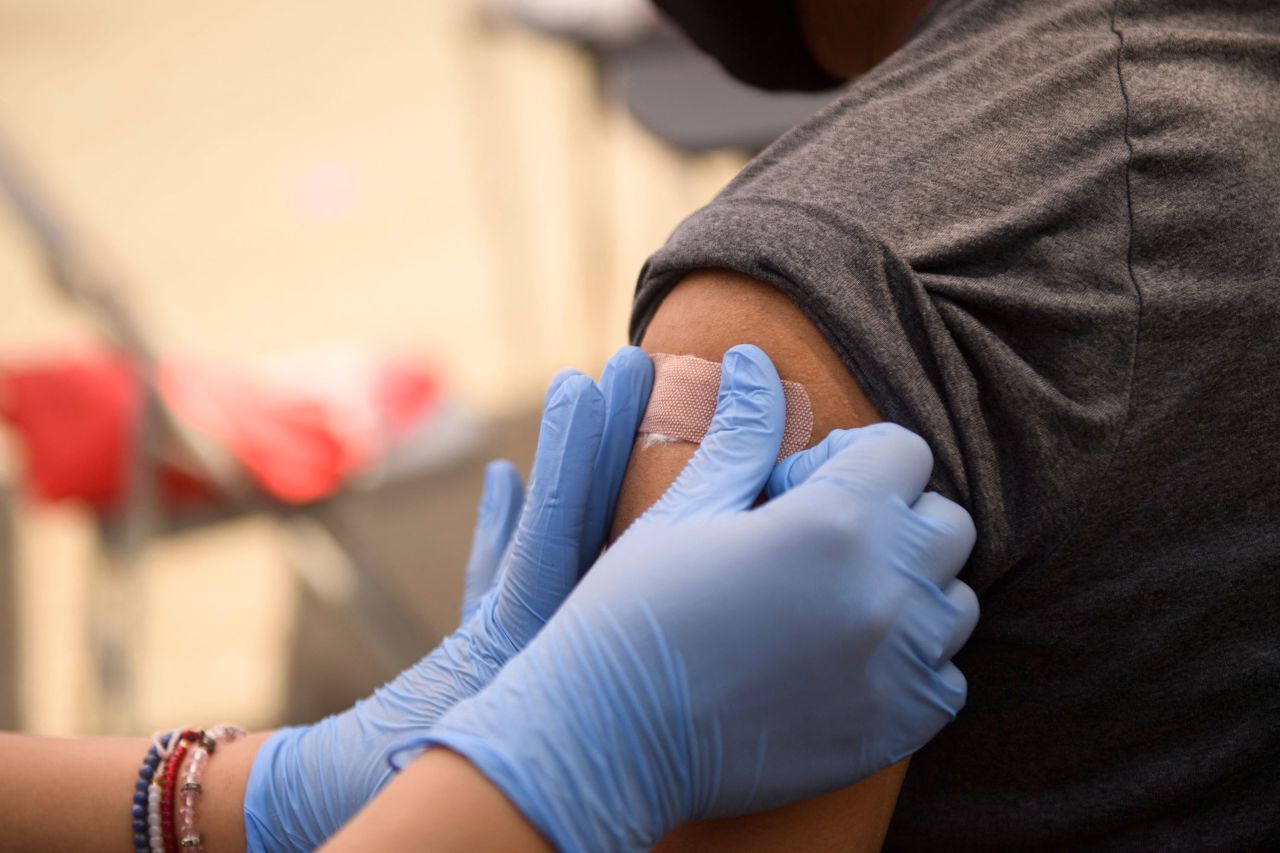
<point>710,311</point>
<point>706,314</point>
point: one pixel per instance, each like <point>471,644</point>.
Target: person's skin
<point>849,37</point>
<point>73,793</point>
<point>440,803</point>
<point>706,314</point>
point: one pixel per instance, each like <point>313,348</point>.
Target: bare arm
<point>75,793</point>
<point>707,313</point>
<point>441,803</point>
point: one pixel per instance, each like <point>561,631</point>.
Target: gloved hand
<point>720,659</point>
<point>306,782</point>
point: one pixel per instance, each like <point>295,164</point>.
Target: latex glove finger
<point>496,518</point>
<point>554,385</point>
<point>799,466</point>
<point>954,687</point>
<point>949,548</point>
<point>885,461</point>
<point>946,696</point>
<point>939,623</point>
<point>965,602</point>
<point>625,385</point>
<point>734,461</point>
<point>544,564</point>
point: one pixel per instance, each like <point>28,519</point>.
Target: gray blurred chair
<point>334,562</point>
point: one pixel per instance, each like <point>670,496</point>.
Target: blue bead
<point>140,785</point>
<point>140,798</point>
<point>139,840</point>
<point>138,811</point>
<point>139,825</point>
<point>145,772</point>
<point>152,759</point>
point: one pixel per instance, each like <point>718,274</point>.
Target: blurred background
<point>293,202</point>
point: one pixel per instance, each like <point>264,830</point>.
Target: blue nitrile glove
<point>306,782</point>
<point>720,659</point>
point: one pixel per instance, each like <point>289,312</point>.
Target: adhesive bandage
<point>683,402</point>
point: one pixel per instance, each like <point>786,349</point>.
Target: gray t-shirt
<point>1046,236</point>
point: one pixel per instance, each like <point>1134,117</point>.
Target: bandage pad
<point>683,401</point>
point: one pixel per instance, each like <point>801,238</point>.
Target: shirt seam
<point>1127,422</point>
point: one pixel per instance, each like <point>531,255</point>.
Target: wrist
<point>293,801</point>
<point>225,780</point>
<point>188,790</point>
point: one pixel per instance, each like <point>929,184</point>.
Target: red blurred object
<point>76,417</point>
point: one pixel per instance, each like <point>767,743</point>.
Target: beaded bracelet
<point>168,786</point>
<point>145,803</point>
<point>189,837</point>
<point>159,827</point>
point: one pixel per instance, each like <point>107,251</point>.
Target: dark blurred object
<point>759,42</point>
<point>674,89</point>
<point>684,97</point>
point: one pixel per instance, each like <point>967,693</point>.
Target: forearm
<point>442,803</point>
<point>67,793</point>
<point>75,793</point>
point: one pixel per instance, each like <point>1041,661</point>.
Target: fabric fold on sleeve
<point>925,359</point>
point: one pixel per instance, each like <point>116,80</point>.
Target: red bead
<point>185,740</point>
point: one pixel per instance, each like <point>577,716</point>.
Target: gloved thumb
<point>543,567</point>
<point>798,467</point>
<point>625,385</point>
<point>500,505</point>
<point>875,462</point>
<point>735,458</point>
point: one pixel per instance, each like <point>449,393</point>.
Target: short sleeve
<point>1018,390</point>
